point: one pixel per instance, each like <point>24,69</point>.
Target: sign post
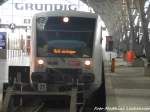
<point>3,50</point>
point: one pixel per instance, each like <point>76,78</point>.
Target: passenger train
<point>66,50</point>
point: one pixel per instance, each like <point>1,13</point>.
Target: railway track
<point>41,108</point>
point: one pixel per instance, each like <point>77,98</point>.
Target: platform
<point>127,87</point>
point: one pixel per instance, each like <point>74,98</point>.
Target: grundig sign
<point>44,7</point>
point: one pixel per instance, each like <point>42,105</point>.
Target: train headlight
<point>65,19</point>
<point>40,62</point>
<point>87,62</point>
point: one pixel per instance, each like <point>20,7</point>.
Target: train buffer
<point>10,94</point>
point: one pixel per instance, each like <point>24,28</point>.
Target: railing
<point>16,53</point>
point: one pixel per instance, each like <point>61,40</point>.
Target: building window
<point>27,21</point>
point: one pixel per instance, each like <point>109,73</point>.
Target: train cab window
<point>76,35</point>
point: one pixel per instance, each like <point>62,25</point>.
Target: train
<point>66,49</point>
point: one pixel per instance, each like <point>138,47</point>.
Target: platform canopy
<point>109,10</point>
<point>2,1</point>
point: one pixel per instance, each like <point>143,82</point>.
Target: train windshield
<point>65,36</point>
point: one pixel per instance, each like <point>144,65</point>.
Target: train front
<point>63,52</point>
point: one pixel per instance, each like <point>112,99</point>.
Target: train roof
<point>67,13</point>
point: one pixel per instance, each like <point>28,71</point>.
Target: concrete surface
<point>127,89</point>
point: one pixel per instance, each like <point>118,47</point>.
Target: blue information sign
<point>2,40</point>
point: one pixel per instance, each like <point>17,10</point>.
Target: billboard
<point>2,40</point>
<point>25,9</point>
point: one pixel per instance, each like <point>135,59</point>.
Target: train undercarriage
<point>21,96</point>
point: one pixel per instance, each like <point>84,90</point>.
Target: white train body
<point>66,46</point>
